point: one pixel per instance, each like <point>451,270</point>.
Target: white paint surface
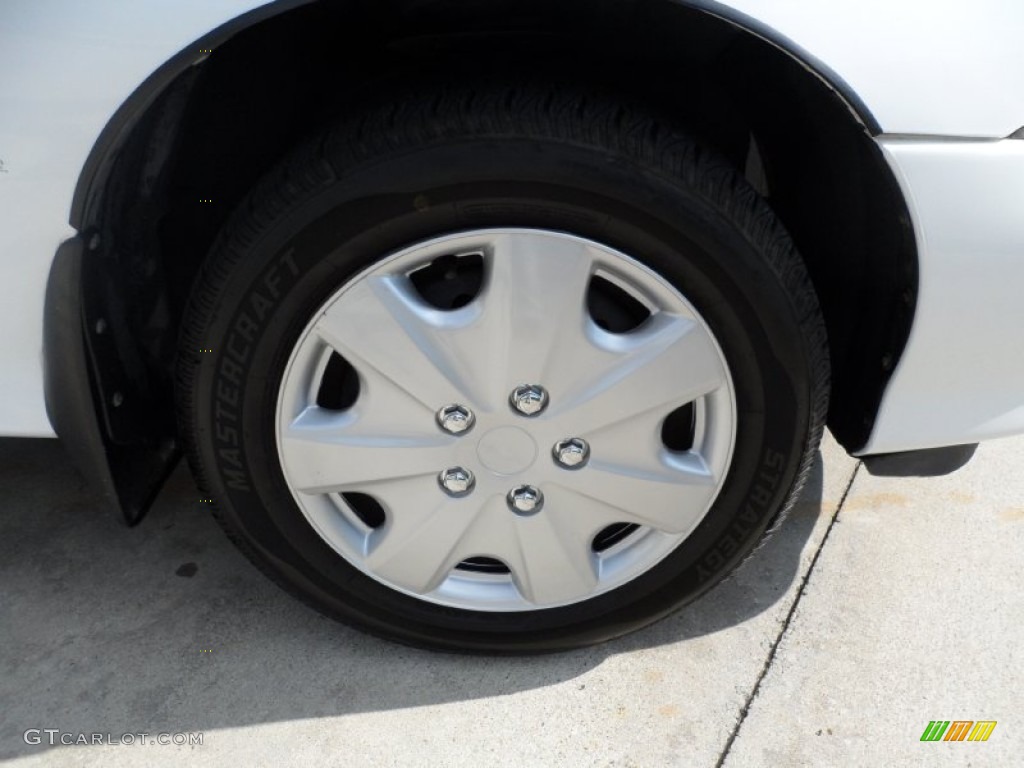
<point>65,68</point>
<point>941,67</point>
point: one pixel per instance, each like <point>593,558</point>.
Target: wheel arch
<point>98,167</point>
<point>205,128</point>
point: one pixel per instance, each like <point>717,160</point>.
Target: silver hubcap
<point>482,513</point>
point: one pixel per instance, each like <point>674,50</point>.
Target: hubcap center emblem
<point>506,450</point>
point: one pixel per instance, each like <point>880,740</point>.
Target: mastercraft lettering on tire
<point>505,369</point>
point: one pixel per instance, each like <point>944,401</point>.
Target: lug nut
<point>525,500</point>
<point>529,399</point>
<point>456,481</point>
<point>571,453</point>
<point>455,419</point>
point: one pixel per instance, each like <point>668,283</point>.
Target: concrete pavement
<point>835,645</point>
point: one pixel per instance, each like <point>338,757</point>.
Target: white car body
<point>944,80</point>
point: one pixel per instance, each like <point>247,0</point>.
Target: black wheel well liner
<point>206,126</point>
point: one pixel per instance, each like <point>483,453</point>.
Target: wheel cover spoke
<point>554,562</point>
<point>389,333</point>
<point>323,452</point>
<point>529,324</point>
<point>669,500</point>
<point>669,362</point>
<point>535,284</point>
<point>420,544</point>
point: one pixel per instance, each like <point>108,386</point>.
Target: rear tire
<point>676,227</point>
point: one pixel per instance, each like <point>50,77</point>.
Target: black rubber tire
<point>509,157</point>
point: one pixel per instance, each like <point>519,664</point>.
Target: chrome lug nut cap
<point>455,419</point>
<point>571,453</point>
<point>529,399</point>
<point>456,481</point>
<point>525,499</point>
